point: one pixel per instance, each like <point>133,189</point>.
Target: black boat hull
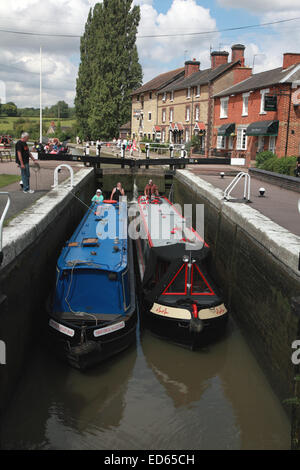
<point>84,351</point>
<point>185,332</point>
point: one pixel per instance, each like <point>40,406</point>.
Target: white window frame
<point>224,107</point>
<point>188,114</point>
<point>171,115</point>
<point>242,138</point>
<point>245,104</point>
<point>221,142</point>
<point>230,142</point>
<point>163,136</point>
<point>188,94</point>
<point>262,100</point>
<point>164,115</point>
<point>187,135</point>
<point>197,113</point>
<point>198,91</point>
<point>164,98</point>
<point>272,143</point>
<point>172,96</point>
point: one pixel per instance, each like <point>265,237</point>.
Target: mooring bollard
<point>171,155</point>
<point>123,150</point>
<point>147,154</point>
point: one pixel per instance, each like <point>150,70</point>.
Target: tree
<point>10,109</point>
<point>109,69</point>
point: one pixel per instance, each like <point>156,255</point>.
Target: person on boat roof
<point>151,189</point>
<point>98,196</point>
<point>117,192</point>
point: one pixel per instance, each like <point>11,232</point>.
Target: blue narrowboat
<point>92,312</point>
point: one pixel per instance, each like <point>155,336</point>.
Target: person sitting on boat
<point>98,196</point>
<point>117,192</point>
<point>151,190</point>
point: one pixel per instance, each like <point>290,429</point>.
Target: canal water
<point>155,395</point>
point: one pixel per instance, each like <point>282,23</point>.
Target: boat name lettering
<point>109,329</point>
<point>61,328</point>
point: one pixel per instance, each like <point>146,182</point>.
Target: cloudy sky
<point>20,62</point>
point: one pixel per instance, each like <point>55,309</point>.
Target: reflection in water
<point>157,396</point>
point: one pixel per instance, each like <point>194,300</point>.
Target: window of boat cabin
<point>200,285</point>
<point>178,285</point>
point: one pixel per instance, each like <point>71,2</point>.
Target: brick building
<point>243,126</point>
<point>144,105</point>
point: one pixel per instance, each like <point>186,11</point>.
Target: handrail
<point>2,219</point>
<point>56,175</point>
<point>235,181</point>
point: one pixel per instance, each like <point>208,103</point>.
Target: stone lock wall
<point>256,264</point>
<point>31,245</point>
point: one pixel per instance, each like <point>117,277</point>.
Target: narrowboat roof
<point>164,226</point>
<point>100,240</point>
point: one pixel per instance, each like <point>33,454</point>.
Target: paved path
<point>280,205</point>
<point>40,182</point>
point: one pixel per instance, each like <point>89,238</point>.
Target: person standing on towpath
<point>22,159</point>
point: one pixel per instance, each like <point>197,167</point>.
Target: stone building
<point>144,105</point>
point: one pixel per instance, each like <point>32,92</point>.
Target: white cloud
<point>256,6</point>
<point>183,16</point>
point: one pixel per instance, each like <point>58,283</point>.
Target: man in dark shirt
<point>22,159</point>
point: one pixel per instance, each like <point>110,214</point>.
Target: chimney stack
<point>191,66</point>
<point>290,58</point>
<point>218,58</point>
<point>238,53</point>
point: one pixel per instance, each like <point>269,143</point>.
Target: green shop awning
<point>226,129</point>
<point>263,128</point>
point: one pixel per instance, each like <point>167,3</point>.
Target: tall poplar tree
<point>109,68</point>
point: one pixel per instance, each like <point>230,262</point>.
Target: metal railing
<point>235,181</point>
<point>56,171</point>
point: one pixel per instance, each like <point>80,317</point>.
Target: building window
<point>171,115</point>
<point>138,97</point>
<point>163,115</point>
<point>272,144</point>
<point>245,104</point>
<point>230,142</point>
<point>164,96</point>
<point>221,142</point>
<point>149,116</point>
<point>198,90</point>
<point>187,135</point>
<point>187,113</point>
<point>224,107</point>
<point>150,95</point>
<point>188,93</point>
<point>172,96</point>
<point>241,141</point>
<point>262,101</point>
<point>197,113</point>
<point>163,136</point>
